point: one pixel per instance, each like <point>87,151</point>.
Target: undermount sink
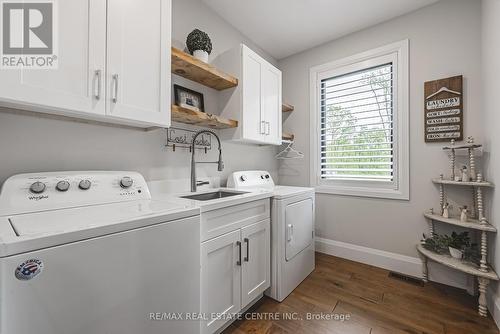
<point>214,195</point>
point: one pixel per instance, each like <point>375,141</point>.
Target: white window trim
<point>399,52</point>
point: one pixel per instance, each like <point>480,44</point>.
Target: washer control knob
<point>126,182</point>
<point>84,184</point>
<point>243,178</point>
<point>37,187</point>
<point>62,185</point>
<point>267,176</point>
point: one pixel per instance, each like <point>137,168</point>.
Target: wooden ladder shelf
<point>474,181</point>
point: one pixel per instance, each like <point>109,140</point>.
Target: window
<point>359,124</point>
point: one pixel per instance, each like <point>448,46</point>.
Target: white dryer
<point>92,253</point>
<point>292,230</point>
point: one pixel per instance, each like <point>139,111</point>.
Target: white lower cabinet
<point>235,270</point>
<point>220,279</point>
<point>255,269</point>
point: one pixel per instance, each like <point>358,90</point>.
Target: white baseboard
<point>494,305</point>
<point>406,265</point>
<point>403,264</point>
<point>391,261</point>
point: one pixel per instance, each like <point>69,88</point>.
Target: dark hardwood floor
<point>375,303</point>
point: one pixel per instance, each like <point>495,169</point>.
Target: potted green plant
<point>437,243</point>
<point>457,243</point>
<point>199,44</point>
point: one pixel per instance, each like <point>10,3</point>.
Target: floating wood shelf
<point>287,107</point>
<point>460,183</point>
<point>287,136</point>
<point>472,223</point>
<point>188,116</point>
<point>461,265</point>
<point>194,69</point>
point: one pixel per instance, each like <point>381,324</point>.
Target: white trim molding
<point>399,263</point>
<point>494,305</point>
<point>391,261</point>
<point>399,188</point>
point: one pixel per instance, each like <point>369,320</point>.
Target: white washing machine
<point>292,230</point>
<point>92,253</point>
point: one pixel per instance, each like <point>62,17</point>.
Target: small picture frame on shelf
<point>188,98</point>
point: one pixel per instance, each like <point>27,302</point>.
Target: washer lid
<point>82,218</point>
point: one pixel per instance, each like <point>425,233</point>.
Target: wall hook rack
<point>183,138</point>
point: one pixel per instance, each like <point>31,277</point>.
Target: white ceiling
<point>286,27</point>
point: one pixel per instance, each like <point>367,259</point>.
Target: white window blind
<point>357,125</point>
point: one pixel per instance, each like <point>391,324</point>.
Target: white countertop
<point>205,206</point>
<point>27,232</point>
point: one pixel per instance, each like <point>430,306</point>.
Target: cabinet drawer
<point>218,222</point>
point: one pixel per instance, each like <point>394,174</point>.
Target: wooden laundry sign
<point>444,118</point>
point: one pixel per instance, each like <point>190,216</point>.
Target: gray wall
<point>445,40</point>
<point>31,144</point>
<point>491,89</point>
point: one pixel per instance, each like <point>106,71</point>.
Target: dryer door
<point>298,227</point>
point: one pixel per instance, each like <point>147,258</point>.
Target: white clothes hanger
<point>289,152</point>
<point>443,89</point>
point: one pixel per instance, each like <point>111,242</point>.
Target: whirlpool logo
<point>29,31</point>
<point>38,197</point>
<point>29,269</point>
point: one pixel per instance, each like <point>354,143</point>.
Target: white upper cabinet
<point>138,66</point>
<point>75,84</point>
<point>252,121</point>
<point>256,101</point>
<point>271,104</point>
<point>113,65</point>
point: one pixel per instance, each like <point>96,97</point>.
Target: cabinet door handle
<point>115,85</point>
<point>262,127</point>
<point>248,250</point>
<point>268,131</point>
<point>239,253</point>
<point>290,232</point>
<point>97,75</point>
